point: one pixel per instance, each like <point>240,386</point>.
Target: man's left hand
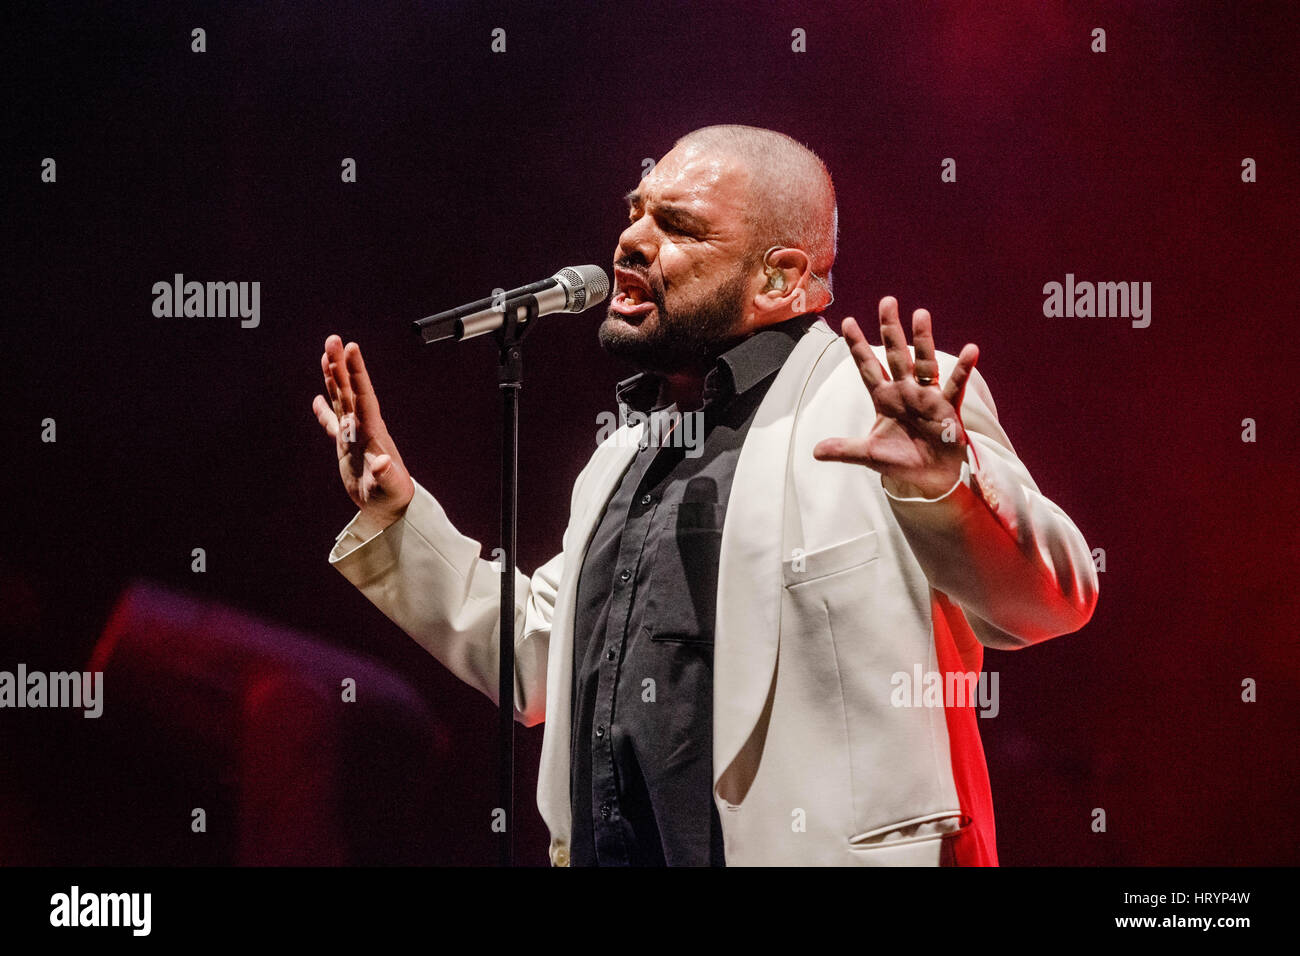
<point>917,442</point>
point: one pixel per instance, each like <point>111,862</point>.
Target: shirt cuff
<point>964,479</point>
<point>361,529</point>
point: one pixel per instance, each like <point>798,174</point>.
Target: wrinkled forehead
<point>711,183</point>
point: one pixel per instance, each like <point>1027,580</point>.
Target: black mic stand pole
<point>518,317</point>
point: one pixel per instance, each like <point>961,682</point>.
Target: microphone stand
<point>518,318</point>
<point>571,290</point>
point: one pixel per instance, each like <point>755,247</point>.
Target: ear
<point>782,286</point>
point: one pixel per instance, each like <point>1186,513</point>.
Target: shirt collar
<point>737,370</point>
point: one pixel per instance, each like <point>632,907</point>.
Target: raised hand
<point>372,471</point>
<point>917,441</point>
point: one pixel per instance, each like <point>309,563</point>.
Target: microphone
<point>572,289</point>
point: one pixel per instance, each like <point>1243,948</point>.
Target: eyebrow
<point>679,215</point>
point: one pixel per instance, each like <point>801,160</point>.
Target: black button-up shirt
<point>642,746</point>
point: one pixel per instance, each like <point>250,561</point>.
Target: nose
<point>636,245</point>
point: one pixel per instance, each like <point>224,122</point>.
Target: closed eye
<point>673,219</point>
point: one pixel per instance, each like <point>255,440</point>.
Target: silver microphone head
<point>584,286</point>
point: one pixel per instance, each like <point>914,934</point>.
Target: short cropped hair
<point>791,199</point>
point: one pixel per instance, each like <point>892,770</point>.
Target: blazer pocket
<point>934,826</point>
<point>682,602</point>
<point>811,566</point>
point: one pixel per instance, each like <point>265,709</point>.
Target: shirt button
<point>605,812</point>
<point>625,575</point>
<point>600,731</point>
<point>561,855</point>
<point>611,654</point>
<point>646,499</point>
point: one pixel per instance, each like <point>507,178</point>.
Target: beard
<point>688,337</point>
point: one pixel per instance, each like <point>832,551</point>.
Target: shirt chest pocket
<point>682,581</point>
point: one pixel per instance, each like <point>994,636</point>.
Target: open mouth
<point>633,297</point>
<point>632,303</point>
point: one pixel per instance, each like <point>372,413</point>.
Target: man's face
<point>684,268</point>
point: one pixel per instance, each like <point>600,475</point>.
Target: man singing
<point>717,649</point>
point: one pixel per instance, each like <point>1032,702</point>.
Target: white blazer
<point>828,587</point>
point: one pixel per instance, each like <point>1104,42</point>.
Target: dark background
<point>478,170</point>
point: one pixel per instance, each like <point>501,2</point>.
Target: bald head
<point>790,196</point>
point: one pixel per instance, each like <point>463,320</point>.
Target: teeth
<point>634,296</point>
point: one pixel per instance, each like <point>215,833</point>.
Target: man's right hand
<point>372,470</point>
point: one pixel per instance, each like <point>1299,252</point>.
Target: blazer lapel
<point>747,630</point>
<point>553,771</point>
